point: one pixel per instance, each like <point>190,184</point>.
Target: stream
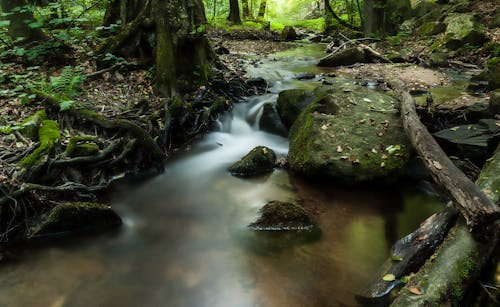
<point>184,241</point>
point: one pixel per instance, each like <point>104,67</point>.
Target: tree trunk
<point>246,9</point>
<point>19,21</point>
<point>262,8</point>
<point>234,12</point>
<point>181,48</point>
<point>329,14</point>
<point>374,17</point>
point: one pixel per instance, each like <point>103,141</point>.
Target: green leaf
<point>396,258</point>
<point>389,277</point>
<point>65,105</point>
<point>405,279</point>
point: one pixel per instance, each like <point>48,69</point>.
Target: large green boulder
<point>349,133</point>
<point>431,28</point>
<point>77,217</point>
<point>291,103</point>
<point>258,161</point>
<point>462,29</point>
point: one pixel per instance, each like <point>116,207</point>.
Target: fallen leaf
<point>374,150</point>
<point>339,149</point>
<point>437,165</point>
<point>415,291</point>
<point>396,258</point>
<point>382,165</point>
<point>389,277</point>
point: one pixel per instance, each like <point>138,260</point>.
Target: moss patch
<point>48,135</point>
<point>259,161</point>
<point>82,145</point>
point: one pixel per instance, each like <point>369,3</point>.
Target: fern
<point>65,86</point>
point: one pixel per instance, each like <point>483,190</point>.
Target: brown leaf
<point>416,291</point>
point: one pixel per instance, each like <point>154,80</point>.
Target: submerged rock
<point>259,161</point>
<point>351,134</point>
<point>282,216</point>
<point>271,121</point>
<point>291,103</point>
<point>345,57</point>
<point>78,216</point>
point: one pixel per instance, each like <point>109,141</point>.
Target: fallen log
<point>477,208</point>
<point>407,256</point>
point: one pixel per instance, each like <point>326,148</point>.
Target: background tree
<point>246,9</point>
<point>170,31</point>
<point>234,12</point>
<point>262,8</point>
<point>20,16</point>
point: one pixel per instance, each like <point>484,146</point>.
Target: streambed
<point>185,243</point>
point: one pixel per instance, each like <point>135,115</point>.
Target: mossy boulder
<point>271,121</point>
<point>493,73</point>
<point>431,28</point>
<point>345,57</point>
<point>258,161</point>
<point>81,146</point>
<point>78,216</point>
<point>495,102</point>
<point>489,179</point>
<point>462,29</point>
<point>351,134</point>
<point>283,216</point>
<point>288,34</point>
<point>291,103</point>
<point>31,125</point>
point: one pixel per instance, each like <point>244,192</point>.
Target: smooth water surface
<point>185,243</point>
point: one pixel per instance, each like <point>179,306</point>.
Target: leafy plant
<point>65,86</point>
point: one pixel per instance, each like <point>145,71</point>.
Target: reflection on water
<point>185,241</point>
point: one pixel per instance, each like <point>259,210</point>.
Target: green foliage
<point>65,86</point>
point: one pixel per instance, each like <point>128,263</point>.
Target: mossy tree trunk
<point>262,8</point>
<point>234,12</point>
<point>170,31</point>
<point>246,9</point>
<point>19,20</point>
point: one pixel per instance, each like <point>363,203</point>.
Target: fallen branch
<point>473,204</point>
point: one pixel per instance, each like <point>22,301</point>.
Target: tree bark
<point>234,12</point>
<point>329,13</point>
<point>19,21</point>
<point>262,8</point>
<point>374,17</point>
<point>478,210</point>
<point>246,9</point>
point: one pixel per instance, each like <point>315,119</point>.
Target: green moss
<point>48,135</point>
<point>259,160</point>
<point>30,126</point>
<point>78,216</point>
<point>277,215</point>
<point>82,145</point>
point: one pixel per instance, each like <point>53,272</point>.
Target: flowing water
<point>185,243</point>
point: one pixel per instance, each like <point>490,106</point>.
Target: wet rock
<point>306,76</point>
<point>282,216</point>
<point>494,105</point>
<point>288,34</point>
<point>462,29</point>
<point>271,121</point>
<point>221,50</point>
<point>258,161</point>
<point>493,73</point>
<point>473,142</point>
<point>351,134</point>
<point>258,82</point>
<point>291,103</point>
<point>345,57</point>
<point>78,216</point>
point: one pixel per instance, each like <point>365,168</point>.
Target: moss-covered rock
<point>258,161</point>
<point>282,216</point>
<point>78,216</point>
<point>345,57</point>
<point>489,179</point>
<point>462,29</point>
<point>431,28</point>
<point>351,134</point>
<point>288,34</point>
<point>493,73</point>
<point>495,102</point>
<point>81,146</point>
<point>291,103</point>
<point>271,121</point>
<point>30,126</point>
